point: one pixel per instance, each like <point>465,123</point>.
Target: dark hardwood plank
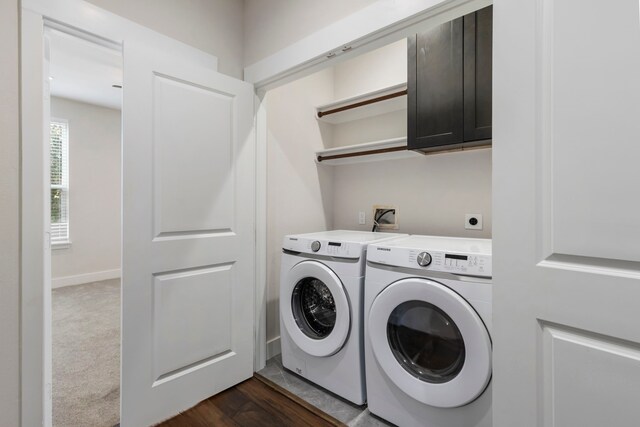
<point>231,401</point>
<point>332,421</point>
<point>287,411</point>
<point>253,403</point>
<point>202,415</point>
<point>254,415</point>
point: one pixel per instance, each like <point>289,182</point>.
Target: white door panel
<point>608,395</point>
<point>566,239</point>
<point>186,305</point>
<point>188,233</point>
<point>590,114</point>
<point>193,173</point>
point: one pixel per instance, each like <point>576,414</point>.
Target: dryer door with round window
<point>430,342</point>
<point>315,308</point>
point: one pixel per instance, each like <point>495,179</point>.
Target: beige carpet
<point>86,355</point>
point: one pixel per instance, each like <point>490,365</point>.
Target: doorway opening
<point>85,100</point>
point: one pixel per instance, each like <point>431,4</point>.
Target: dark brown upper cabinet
<point>449,84</point>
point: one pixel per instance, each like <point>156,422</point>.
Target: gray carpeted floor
<point>86,355</point>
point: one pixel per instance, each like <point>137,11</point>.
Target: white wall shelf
<point>387,149</point>
<point>386,100</point>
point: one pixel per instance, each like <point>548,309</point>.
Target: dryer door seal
<point>430,342</point>
<point>315,309</point>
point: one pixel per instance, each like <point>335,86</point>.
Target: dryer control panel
<point>471,264</point>
<point>465,263</point>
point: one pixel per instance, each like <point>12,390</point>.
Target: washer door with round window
<point>315,308</point>
<point>430,342</point>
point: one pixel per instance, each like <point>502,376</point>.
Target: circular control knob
<point>424,259</point>
<point>315,246</point>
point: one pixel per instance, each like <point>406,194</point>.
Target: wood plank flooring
<point>257,402</point>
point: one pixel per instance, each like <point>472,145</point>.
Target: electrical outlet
<point>361,218</point>
<point>473,221</point>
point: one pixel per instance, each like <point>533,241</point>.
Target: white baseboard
<point>273,347</point>
<point>79,279</point>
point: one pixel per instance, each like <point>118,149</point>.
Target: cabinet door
<point>435,87</point>
<point>478,30</point>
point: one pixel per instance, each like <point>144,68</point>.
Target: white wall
<point>386,66</point>
<point>94,191</point>
<point>378,69</point>
<point>9,216</point>
<point>432,193</point>
<point>271,25</point>
<point>299,198</point>
<point>214,26</point>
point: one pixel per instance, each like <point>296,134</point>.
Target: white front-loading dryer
<point>428,351</point>
<point>321,308</point>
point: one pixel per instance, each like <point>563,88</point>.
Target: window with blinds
<point>59,181</point>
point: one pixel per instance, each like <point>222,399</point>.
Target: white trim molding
<point>88,21</point>
<point>260,299</point>
<point>273,347</point>
<point>79,279</point>
<point>381,23</point>
<point>35,375</point>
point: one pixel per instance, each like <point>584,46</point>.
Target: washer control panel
<point>323,247</point>
<point>472,264</point>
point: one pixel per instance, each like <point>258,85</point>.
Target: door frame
<point>374,27</point>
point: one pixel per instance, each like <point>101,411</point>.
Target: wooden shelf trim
<point>322,158</point>
<point>379,101</point>
<point>364,152</point>
<point>362,103</point>
<point>388,149</point>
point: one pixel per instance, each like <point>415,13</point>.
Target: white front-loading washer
<point>321,308</point>
<point>428,344</point>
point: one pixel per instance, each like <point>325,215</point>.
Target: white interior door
<point>188,233</point>
<point>566,202</point>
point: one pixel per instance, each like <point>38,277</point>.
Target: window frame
<point>61,243</point>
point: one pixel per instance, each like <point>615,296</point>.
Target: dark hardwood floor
<point>257,402</point>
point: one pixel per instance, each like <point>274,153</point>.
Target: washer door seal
<point>430,342</point>
<point>312,328</point>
